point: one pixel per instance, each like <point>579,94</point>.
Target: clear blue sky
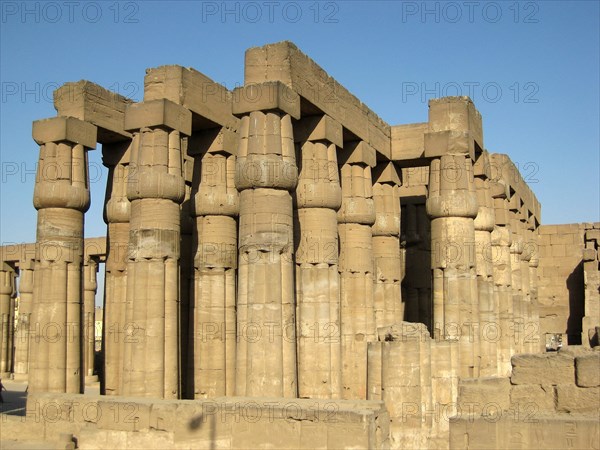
<point>532,69</point>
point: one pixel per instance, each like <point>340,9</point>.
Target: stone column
<point>388,305</point>
<point>452,205</point>
<point>155,190</point>
<point>266,174</point>
<point>454,138</point>
<point>516,252</point>
<point>90,268</point>
<point>357,313</point>
<point>488,308</point>
<point>61,196</point>
<point>117,210</point>
<point>215,205</point>
<point>534,316</point>
<point>21,369</point>
<point>318,198</point>
<point>502,275</point>
<point>7,303</point>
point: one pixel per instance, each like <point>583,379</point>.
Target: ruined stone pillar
<point>21,366</point>
<point>61,196</point>
<point>215,205</point>
<point>502,274</point>
<point>117,210</point>
<point>406,383</point>
<point>452,205</point>
<point>151,346</point>
<point>357,313</point>
<point>90,268</point>
<point>488,308</point>
<point>388,305</point>
<point>318,198</point>
<point>7,305</point>
<point>266,174</point>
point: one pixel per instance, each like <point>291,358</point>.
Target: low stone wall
<point>551,400</point>
<point>99,422</point>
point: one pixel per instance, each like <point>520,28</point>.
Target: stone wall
<point>100,422</point>
<point>562,288</point>
<point>551,400</point>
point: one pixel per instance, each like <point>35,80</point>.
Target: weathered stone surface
<point>587,370</point>
<point>546,368</point>
<point>571,398</point>
<point>525,397</point>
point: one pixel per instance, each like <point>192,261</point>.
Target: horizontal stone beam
<point>408,141</point>
<point>284,62</point>
<point>503,169</point>
<point>92,103</point>
<point>13,253</point>
<point>209,102</point>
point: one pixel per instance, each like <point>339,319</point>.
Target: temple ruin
<point>283,269</point>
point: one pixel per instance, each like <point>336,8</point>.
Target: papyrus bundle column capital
<point>266,150</point>
<point>62,177</point>
<point>156,160</point>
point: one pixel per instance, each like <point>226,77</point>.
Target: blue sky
<point>532,69</point>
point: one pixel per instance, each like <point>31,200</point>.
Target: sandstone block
<point>270,95</point>
<point>358,152</point>
<point>571,398</point>
<point>587,370</point>
<point>158,113</point>
<point>319,128</point>
<point>68,129</point>
<point>481,395</point>
<point>545,368</point>
<point>525,397</point>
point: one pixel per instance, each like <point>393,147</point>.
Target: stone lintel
<point>92,103</point>
<point>158,113</point>
<point>70,129</point>
<point>413,194</point>
<point>358,152</point>
<point>283,61</point>
<point>386,173</point>
<point>209,102</point>
<point>270,95</point>
<point>216,140</point>
<point>408,141</point>
<point>319,128</point>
